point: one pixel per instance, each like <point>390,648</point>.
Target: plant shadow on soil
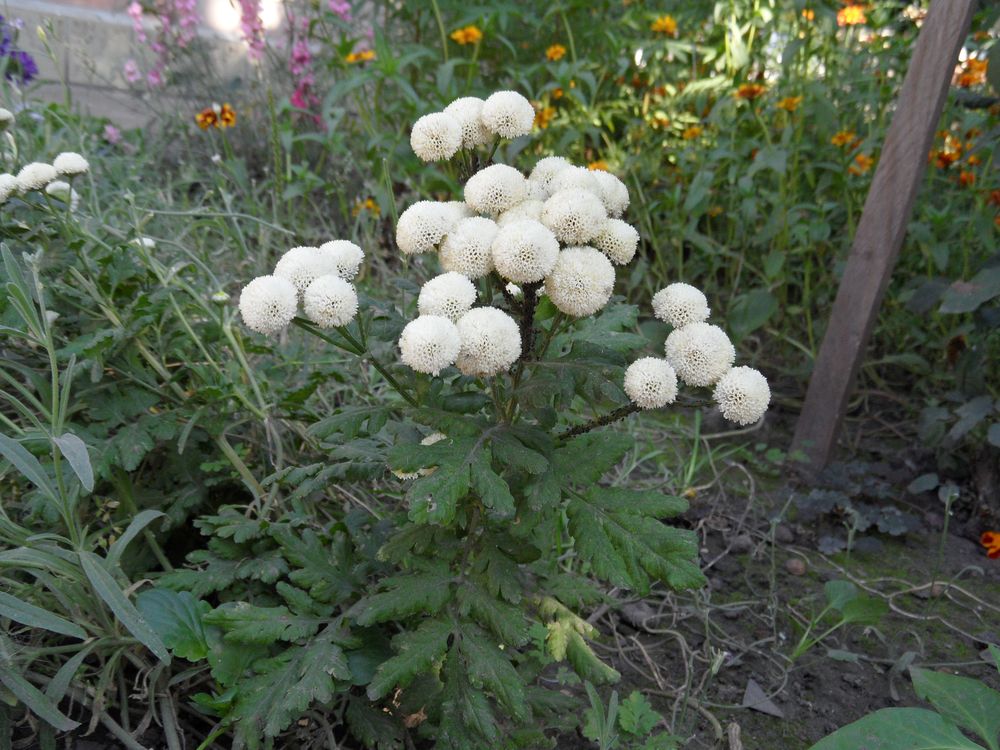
<point>693,654</point>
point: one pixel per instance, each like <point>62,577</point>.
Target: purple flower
<point>22,66</point>
<point>341,8</point>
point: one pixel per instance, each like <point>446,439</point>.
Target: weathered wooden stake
<point>882,227</point>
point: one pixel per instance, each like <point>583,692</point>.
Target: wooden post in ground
<point>882,227</point>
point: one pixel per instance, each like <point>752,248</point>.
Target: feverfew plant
<point>506,529</point>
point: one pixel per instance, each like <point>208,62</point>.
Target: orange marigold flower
<point>691,132</point>
<point>555,52</point>
<point>598,164</point>
<point>843,137</point>
<point>994,198</point>
<point>364,55</point>
<point>543,116</point>
<point>207,118</point>
<point>750,91</point>
<point>665,25</point>
<point>227,116</point>
<point>974,73</point>
<point>809,14</point>
<point>966,179</point>
<point>851,15</point>
<point>862,163</point>
<point>991,541</point>
<point>974,160</point>
<point>557,93</point>
<point>467,35</point>
<point>790,103</point>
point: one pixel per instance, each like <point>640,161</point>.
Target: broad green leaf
<point>76,453</point>
<point>489,668</point>
<point>751,311</point>
<point>865,610</point>
<point>967,296</point>
<point>27,464</point>
<point>177,619</point>
<point>839,593</point>
<point>36,701</point>
<point>636,715</point>
<point>416,652</point>
<point>965,701</point>
<point>406,595</point>
<point>898,729</point>
<point>109,592</point>
<point>36,617</point>
<point>141,521</point>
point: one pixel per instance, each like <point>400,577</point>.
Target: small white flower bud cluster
<point>701,355</point>
<point>318,276</point>
<point>470,122</point>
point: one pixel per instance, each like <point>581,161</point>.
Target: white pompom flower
<point>491,342</point>
<point>345,255</point>
<point>537,192</point>
<point>468,111</point>
<point>6,118</point>
<point>574,216</point>
<point>302,265</point>
<point>70,164</point>
<point>581,281</point>
<point>330,301</point>
<point>436,136</point>
<point>575,178</point>
<point>62,191</point>
<point>545,171</point>
<point>613,193</point>
<point>268,304</point>
<point>467,248</point>
<point>449,295</point>
<point>651,383</point>
<point>618,240</point>
<point>680,305</point>
<point>508,114</point>
<point>526,209</point>
<point>700,353</point>
<point>429,344</point>
<point>35,176</point>
<point>743,395</point>
<point>422,225</point>
<point>494,189</point>
<point>455,211</point>
<point>8,187</point>
<point>524,251</point>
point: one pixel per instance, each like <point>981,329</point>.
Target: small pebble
<point>740,544</point>
<point>795,566</point>
<point>783,534</point>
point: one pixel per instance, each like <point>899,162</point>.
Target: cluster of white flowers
<point>318,276</point>
<point>470,122</point>
<point>701,355</point>
<point>558,229</point>
<point>43,177</point>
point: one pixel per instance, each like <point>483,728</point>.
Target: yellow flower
<point>691,132</point>
<point>862,163</point>
<point>665,25</point>
<point>207,119</point>
<point>750,91</point>
<point>714,211</point>
<point>599,164</point>
<point>557,93</point>
<point>843,138</point>
<point>808,14</point>
<point>851,15</point>
<point>660,120</point>
<point>555,52</point>
<point>368,204</point>
<point>364,55</point>
<point>468,35</point>
<point>790,103</point>
<point>543,116</point>
<point>227,116</point>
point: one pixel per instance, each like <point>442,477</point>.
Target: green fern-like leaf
<point>406,595</point>
<point>417,651</point>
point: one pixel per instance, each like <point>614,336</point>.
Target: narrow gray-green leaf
<point>36,617</point>
<point>35,700</point>
<point>27,464</point>
<point>76,453</point>
<point>127,614</point>
<point>140,522</point>
<point>59,684</point>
